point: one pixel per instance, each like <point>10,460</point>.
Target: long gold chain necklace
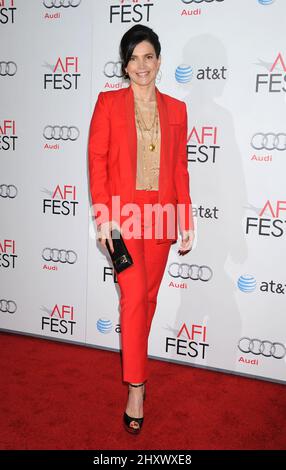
<point>154,127</point>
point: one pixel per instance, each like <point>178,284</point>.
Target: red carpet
<point>60,396</point>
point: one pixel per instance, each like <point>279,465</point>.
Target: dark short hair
<point>131,38</point>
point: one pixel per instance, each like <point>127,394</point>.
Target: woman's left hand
<point>186,242</point>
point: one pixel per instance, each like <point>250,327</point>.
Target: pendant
<point>152,147</point>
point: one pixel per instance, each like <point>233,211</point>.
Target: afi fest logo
<point>62,201</point>
<point>64,76</point>
<point>203,145</point>
<point>59,319</point>
<point>8,254</point>
<point>7,11</point>
<point>129,11</point>
<point>274,80</point>
<point>195,344</point>
<point>8,135</point>
<point>270,221</point>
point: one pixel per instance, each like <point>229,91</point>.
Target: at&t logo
<point>246,283</point>
<point>185,73</point>
<point>266,2</point>
<point>104,325</point>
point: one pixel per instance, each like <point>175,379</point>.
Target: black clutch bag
<point>121,257</point>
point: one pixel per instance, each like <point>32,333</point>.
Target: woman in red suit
<point>137,156</point>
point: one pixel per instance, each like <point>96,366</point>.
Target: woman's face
<point>143,65</point>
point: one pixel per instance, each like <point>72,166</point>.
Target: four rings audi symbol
<point>61,133</point>
<point>113,69</point>
<point>190,271</point>
<point>8,68</point>
<point>8,190</point>
<point>62,256</point>
<point>61,3</point>
<point>201,1</point>
<point>8,306</point>
<point>265,348</point>
<point>269,141</point>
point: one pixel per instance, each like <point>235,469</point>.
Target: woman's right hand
<point>104,233</point>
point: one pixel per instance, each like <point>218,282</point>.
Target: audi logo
<point>191,271</point>
<point>8,190</point>
<point>269,141</point>
<point>113,69</point>
<point>265,348</point>
<point>61,256</point>
<point>61,133</point>
<point>8,306</point>
<point>8,68</point>
<point>61,3</point>
<point>201,1</point>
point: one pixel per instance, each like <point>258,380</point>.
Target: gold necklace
<point>153,127</point>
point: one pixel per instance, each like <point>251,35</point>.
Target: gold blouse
<point>148,161</point>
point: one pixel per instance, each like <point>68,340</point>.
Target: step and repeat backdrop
<point>222,306</point>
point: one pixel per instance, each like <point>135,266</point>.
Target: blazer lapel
<point>165,142</point>
<point>131,134</point>
<point>132,137</point>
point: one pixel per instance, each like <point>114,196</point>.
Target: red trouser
<point>139,286</point>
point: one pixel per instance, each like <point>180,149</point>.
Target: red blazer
<point>112,153</point>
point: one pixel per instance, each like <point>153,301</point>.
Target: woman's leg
<point>134,337</point>
<point>139,286</point>
<point>156,257</point>
<point>133,314</point>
